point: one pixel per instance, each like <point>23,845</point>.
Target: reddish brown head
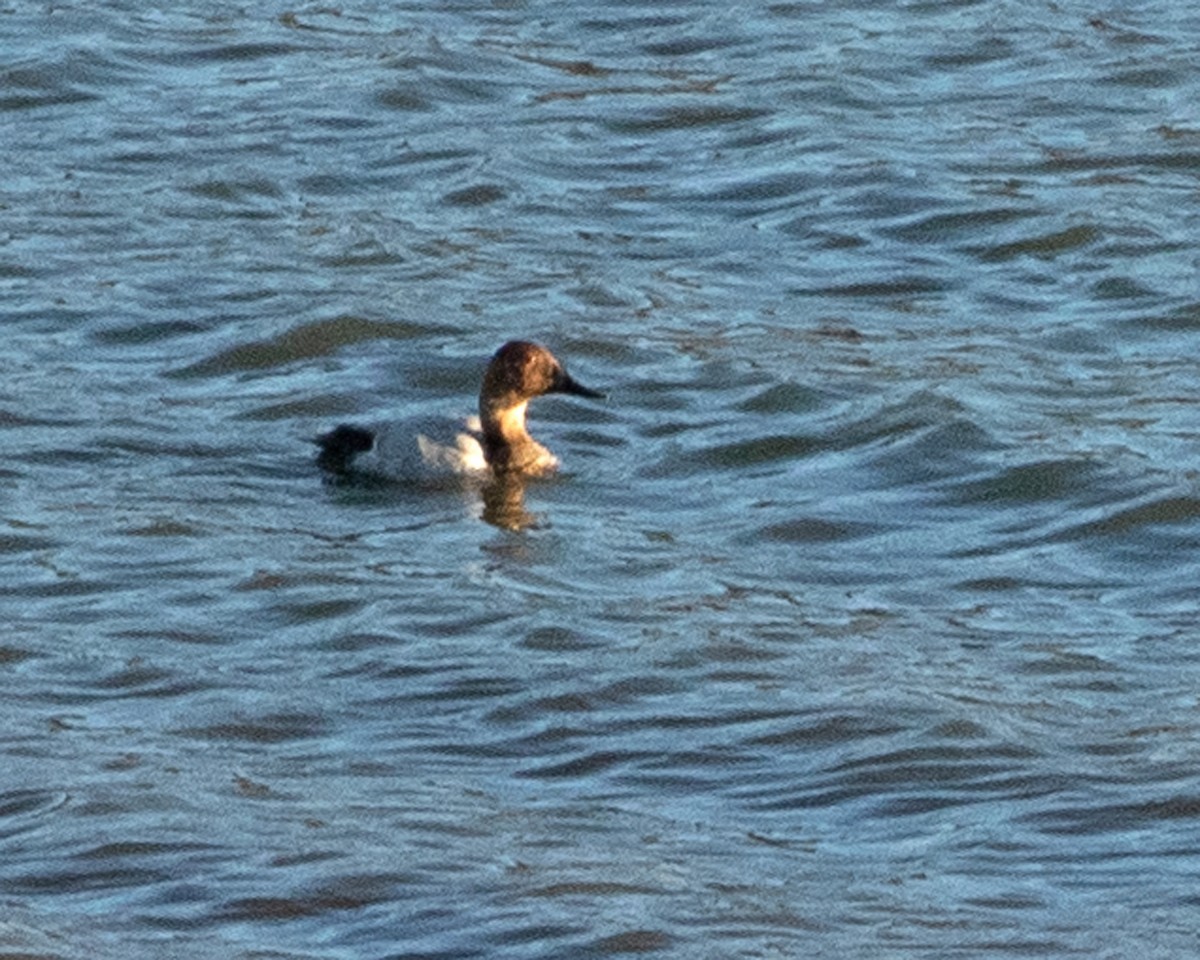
<point>521,370</point>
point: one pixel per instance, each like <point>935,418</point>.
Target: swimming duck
<point>495,444</point>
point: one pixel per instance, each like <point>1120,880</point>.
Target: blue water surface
<point>861,620</point>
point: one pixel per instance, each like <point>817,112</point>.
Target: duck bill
<point>567,384</point>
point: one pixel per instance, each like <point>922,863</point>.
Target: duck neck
<point>507,444</point>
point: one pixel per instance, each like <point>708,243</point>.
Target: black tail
<point>341,445</point>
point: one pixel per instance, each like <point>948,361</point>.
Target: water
<point>862,619</point>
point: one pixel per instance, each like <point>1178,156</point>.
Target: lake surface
<point>862,618</point>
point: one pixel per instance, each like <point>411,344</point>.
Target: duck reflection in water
<point>495,448</point>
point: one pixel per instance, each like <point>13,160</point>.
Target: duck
<point>494,445</point>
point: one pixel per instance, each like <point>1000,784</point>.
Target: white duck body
<point>423,448</point>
